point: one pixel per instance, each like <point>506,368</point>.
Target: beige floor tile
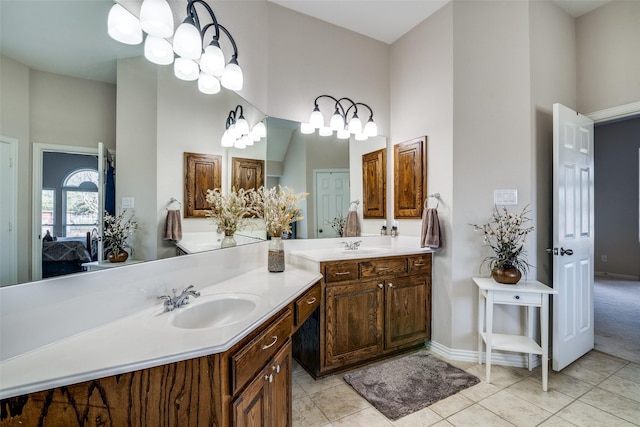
<point>451,405</point>
<point>531,391</point>
<point>339,401</point>
<point>422,418</point>
<point>369,417</point>
<point>501,376</point>
<point>614,404</point>
<point>477,415</point>
<point>622,386</point>
<point>630,372</point>
<point>594,367</point>
<point>480,391</point>
<point>514,409</point>
<point>556,421</point>
<point>571,386</point>
<point>307,414</point>
<point>581,414</point>
<point>443,423</point>
<point>311,386</point>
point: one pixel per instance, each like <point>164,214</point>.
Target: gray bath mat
<point>400,386</point>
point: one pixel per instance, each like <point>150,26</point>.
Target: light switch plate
<point>505,197</point>
<point>127,203</point>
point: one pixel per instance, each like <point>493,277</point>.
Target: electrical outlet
<point>603,258</point>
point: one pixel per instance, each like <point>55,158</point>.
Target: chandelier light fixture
<point>188,51</point>
<point>340,121</point>
<point>237,133</point>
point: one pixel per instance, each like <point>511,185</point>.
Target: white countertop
<point>340,254</point>
<point>147,338</point>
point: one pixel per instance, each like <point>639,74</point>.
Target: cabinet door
<point>374,173</point>
<point>410,178</point>
<point>354,315</point>
<point>280,388</point>
<point>251,407</point>
<point>407,311</point>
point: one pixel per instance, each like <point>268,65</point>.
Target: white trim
<point>618,112</point>
<point>13,214</point>
<point>38,150</point>
<point>497,358</point>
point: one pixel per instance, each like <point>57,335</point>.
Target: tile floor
<point>596,390</point>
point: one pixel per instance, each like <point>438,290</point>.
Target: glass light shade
<point>158,50</point>
<point>337,122</point>
<point>240,143</point>
<point>247,141</point>
<point>123,26</point>
<point>371,128</point>
<point>156,18</point>
<point>227,139</point>
<point>355,125</point>
<point>232,77</point>
<point>208,84</point>
<point>343,134</point>
<point>361,137</point>
<point>187,42</point>
<point>253,137</point>
<point>316,119</point>
<point>306,128</point>
<point>260,130</point>
<point>242,126</point>
<point>232,131</point>
<point>325,131</point>
<point>212,60</point>
<point>186,69</point>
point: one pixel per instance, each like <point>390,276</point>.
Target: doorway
<point>332,192</point>
<point>8,211</point>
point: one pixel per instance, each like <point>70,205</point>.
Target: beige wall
<point>608,40</point>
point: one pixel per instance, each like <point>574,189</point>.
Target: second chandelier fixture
<point>237,133</point>
<point>193,60</point>
<point>340,121</point>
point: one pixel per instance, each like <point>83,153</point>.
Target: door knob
<point>553,251</point>
<point>564,251</point>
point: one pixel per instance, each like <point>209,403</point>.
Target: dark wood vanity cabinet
<point>371,308</point>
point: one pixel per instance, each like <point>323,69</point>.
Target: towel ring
<point>174,200</point>
<point>435,196</point>
<point>356,202</point>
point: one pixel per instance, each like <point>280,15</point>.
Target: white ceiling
<point>70,36</point>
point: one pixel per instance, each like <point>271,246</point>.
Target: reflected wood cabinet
<point>374,172</point>
<point>370,308</point>
<point>247,173</point>
<point>201,173</point>
<point>410,178</point>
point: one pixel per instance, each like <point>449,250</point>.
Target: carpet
<point>401,386</point>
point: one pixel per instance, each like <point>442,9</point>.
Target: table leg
<point>481,304</point>
<point>544,339</point>
<point>530,323</point>
<point>489,332</point>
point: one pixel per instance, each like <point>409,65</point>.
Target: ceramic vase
<point>506,275</point>
<point>275,260</point>
<point>120,257</point>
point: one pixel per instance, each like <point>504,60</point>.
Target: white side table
<point>529,294</point>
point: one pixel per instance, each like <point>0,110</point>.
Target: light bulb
<point>343,134</point>
<point>232,77</point>
<point>316,119</point>
<point>208,84</point>
<point>371,129</point>
<point>355,125</point>
<point>186,69</point>
<point>306,128</point>
<point>232,131</point>
<point>227,139</point>
<point>158,50</point>
<point>156,18</point>
<point>187,42</point>
<point>123,26</point>
<point>212,60</point>
<point>337,122</point>
<point>242,126</point>
<point>325,131</point>
<point>260,129</point>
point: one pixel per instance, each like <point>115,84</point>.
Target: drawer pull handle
<point>276,368</point>
<point>311,301</point>
<point>342,273</point>
<point>517,297</point>
<point>384,268</point>
<point>380,285</point>
<point>268,378</point>
<point>419,264</point>
<point>275,340</point>
<point>391,285</point>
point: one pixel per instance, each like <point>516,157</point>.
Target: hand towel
<point>351,225</point>
<point>173,225</point>
<point>430,235</point>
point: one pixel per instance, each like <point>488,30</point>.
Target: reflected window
<point>80,198</point>
<point>48,211</point>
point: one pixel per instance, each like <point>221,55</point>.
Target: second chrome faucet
<point>177,301</point>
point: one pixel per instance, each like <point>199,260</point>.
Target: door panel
<point>332,196</point>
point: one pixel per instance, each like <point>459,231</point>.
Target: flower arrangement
<point>278,207</point>
<point>231,211</point>
<point>505,234</point>
<point>338,223</point>
<point>117,229</point>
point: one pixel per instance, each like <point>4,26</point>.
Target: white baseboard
<point>615,275</point>
<point>497,358</point>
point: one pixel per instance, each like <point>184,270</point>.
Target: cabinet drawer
<point>340,271</point>
<point>306,304</point>
<point>383,267</point>
<point>253,356</point>
<point>514,297</point>
<point>419,263</point>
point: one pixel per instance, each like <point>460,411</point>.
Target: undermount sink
<point>365,251</point>
<point>215,311</point>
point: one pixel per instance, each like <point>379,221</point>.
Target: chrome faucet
<point>177,301</point>
<point>352,246</point>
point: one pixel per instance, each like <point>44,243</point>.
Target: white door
<point>332,196</point>
<point>572,235</point>
<point>8,211</point>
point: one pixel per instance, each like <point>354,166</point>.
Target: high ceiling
<point>60,35</point>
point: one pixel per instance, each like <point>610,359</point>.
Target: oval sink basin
<point>215,311</point>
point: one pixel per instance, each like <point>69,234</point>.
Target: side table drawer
<point>514,297</point>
